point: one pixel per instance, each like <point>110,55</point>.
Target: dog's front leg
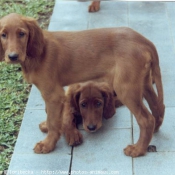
<point>54,104</point>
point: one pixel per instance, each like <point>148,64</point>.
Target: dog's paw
<point>74,138</point>
<point>43,127</point>
<point>42,148</point>
<point>134,151</point>
<point>94,7</point>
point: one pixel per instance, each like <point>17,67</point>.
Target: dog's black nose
<point>92,127</point>
<point>13,56</point>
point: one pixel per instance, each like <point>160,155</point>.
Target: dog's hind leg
<point>131,96</point>
<point>157,107</point>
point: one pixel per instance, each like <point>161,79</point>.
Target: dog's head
<point>20,37</point>
<point>94,101</point>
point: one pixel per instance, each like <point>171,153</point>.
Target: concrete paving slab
<point>24,159</point>
<point>161,163</point>
<point>103,152</point>
<point>171,14</point>
<point>150,19</point>
<point>121,119</point>
<point>166,55</point>
<point>63,14</point>
<point>35,100</point>
<point>39,164</point>
<point>112,14</point>
<point>169,86</point>
<point>30,134</point>
<point>69,9</point>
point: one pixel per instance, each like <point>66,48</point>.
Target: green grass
<point>13,97</point>
<point>14,90</point>
<point>39,9</point>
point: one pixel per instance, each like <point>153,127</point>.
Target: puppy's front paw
<point>134,151</point>
<point>42,148</point>
<point>74,138</point>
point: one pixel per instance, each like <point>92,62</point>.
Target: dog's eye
<point>21,34</point>
<point>98,104</point>
<point>83,105</point>
<point>3,35</point>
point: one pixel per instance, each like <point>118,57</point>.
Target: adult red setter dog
<point>51,60</point>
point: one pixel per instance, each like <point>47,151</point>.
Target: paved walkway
<point>102,152</point>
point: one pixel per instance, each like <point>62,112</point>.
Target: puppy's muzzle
<point>13,56</point>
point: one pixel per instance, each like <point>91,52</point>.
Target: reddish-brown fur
<point>51,60</point>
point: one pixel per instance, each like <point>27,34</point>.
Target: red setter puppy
<point>52,60</point>
<point>91,101</point>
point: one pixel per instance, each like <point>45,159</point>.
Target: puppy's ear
<point>35,44</point>
<point>74,95</point>
<point>109,107</point>
<point>75,102</point>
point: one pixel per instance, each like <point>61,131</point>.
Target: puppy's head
<point>19,37</point>
<point>94,101</point>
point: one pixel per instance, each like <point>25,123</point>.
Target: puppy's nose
<point>92,127</point>
<point>13,56</point>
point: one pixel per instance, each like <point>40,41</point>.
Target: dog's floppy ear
<point>109,106</point>
<point>35,44</point>
<point>75,102</point>
<point>74,96</point>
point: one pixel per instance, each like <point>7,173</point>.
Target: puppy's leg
<point>157,107</point>
<point>95,6</point>
<point>54,103</point>
<point>72,134</point>
<point>132,98</point>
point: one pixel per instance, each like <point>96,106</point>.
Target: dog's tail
<point>156,73</point>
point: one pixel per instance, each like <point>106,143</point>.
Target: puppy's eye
<point>98,104</point>
<point>3,35</point>
<point>21,34</point>
<point>83,105</point>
